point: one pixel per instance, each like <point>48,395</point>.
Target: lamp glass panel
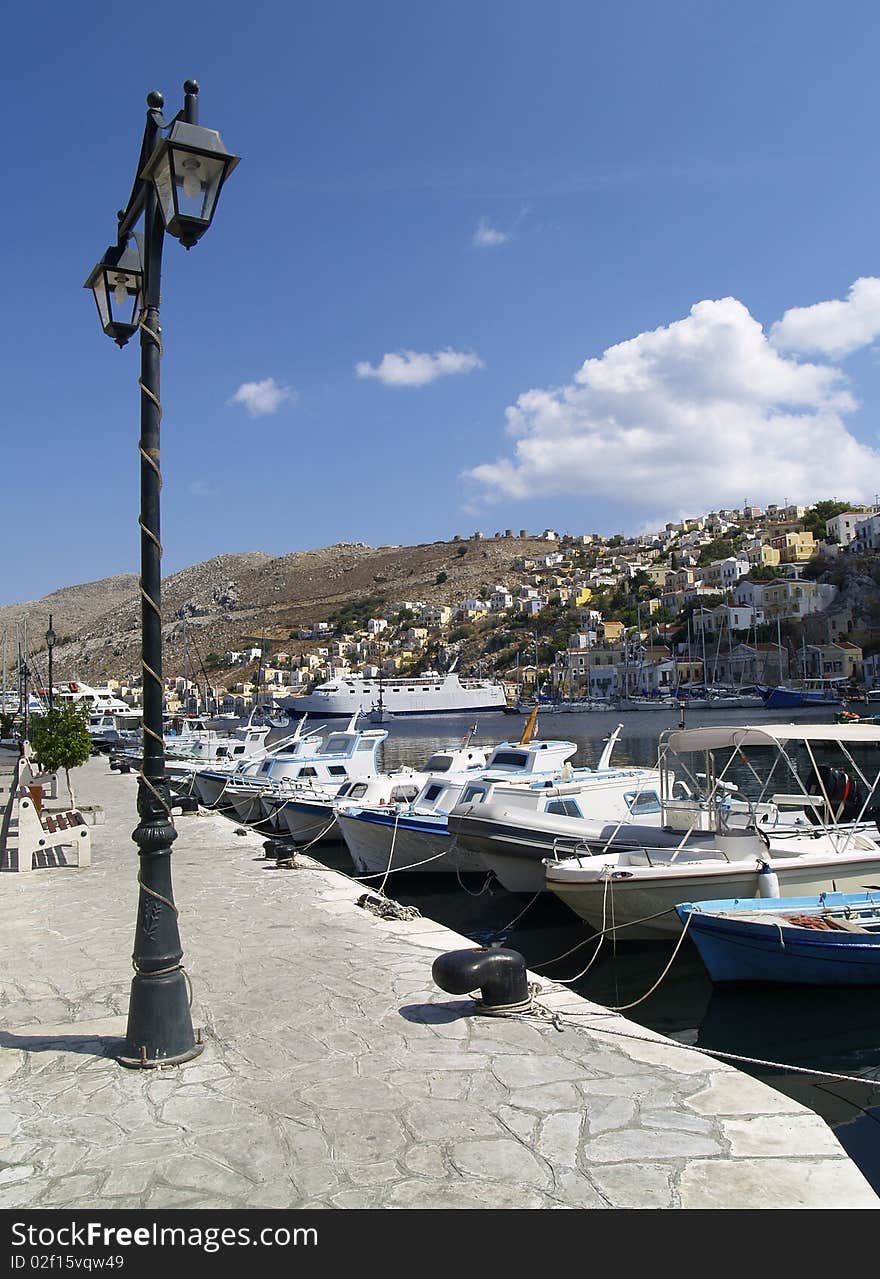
<point>163,181</point>
<point>123,292</point>
<point>197,179</point>
<point>99,289</point>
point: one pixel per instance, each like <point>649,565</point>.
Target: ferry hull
<point>320,712</point>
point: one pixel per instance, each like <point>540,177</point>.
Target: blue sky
<point>499,191</point>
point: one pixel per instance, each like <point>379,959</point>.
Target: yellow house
<point>794,546</point>
<point>765,554</point>
<point>613,631</point>
<point>582,596</point>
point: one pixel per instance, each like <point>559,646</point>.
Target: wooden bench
<point>49,840</point>
<point>30,839</point>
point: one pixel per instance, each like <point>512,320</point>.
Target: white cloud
<point>833,328</point>
<point>260,398</point>
<point>415,368</point>
<point>702,412</point>
<point>487,236</point>
<point>202,488</point>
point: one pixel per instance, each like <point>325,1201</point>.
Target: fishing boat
<point>429,693</point>
<point>819,834</point>
<point>346,753</point>
<point>416,835</point>
<point>509,820</point>
<point>305,813</point>
<point>832,939</point>
<point>379,712</point>
<point>115,731</point>
<point>811,693</point>
<point>212,782</point>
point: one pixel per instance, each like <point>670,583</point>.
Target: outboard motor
<point>843,802</point>
<point>499,975</point>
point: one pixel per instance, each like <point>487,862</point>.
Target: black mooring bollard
<point>498,974</point>
<point>277,849</point>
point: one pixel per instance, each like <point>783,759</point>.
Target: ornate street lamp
<point>187,170</point>
<point>117,282</point>
<point>50,644</point>
<point>177,182</point>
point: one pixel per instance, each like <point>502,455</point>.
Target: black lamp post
<point>176,186</point>
<point>50,644</point>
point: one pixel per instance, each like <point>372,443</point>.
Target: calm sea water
<point>829,1031</point>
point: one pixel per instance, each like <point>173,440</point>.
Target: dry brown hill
<point>235,598</point>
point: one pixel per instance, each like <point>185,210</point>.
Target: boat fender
<point>499,975</point>
<point>768,880</point>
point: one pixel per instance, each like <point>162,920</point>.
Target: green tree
<point>722,548</point>
<point>60,739</point>
<point>814,520</point>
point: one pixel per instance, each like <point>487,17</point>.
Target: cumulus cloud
<point>416,368</point>
<point>260,398</point>
<point>834,328</point>
<point>487,236</point>
<point>704,411</point>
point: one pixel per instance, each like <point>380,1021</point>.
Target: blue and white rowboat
<point>832,939</point>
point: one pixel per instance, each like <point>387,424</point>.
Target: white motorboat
<point>109,730</point>
<point>818,835</point>
<point>210,783</point>
<point>347,753</point>
<point>422,835</point>
<point>306,815</point>
<point>102,700</point>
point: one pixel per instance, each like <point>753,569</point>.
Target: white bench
<point>47,840</point>
<point>29,839</point>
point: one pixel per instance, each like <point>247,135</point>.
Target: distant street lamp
<point>177,183</point>
<point>50,644</point>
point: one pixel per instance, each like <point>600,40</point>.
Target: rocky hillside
<point>233,599</point>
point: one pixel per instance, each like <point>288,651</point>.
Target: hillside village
<point>729,597</point>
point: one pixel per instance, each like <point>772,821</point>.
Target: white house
<point>867,534</point>
<point>842,528</point>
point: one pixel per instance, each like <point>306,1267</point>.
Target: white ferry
<point>429,693</point>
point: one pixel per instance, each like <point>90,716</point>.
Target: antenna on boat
<point>530,726</point>
<point>466,740</point>
<point>610,743</point>
<point>353,721</point>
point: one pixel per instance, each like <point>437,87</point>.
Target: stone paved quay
<point>336,1075</point>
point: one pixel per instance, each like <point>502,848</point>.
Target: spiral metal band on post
<point>151,536</point>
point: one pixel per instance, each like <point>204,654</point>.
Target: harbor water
<point>831,1032</point>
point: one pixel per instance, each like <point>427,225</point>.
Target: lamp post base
<point>160,1031</point>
